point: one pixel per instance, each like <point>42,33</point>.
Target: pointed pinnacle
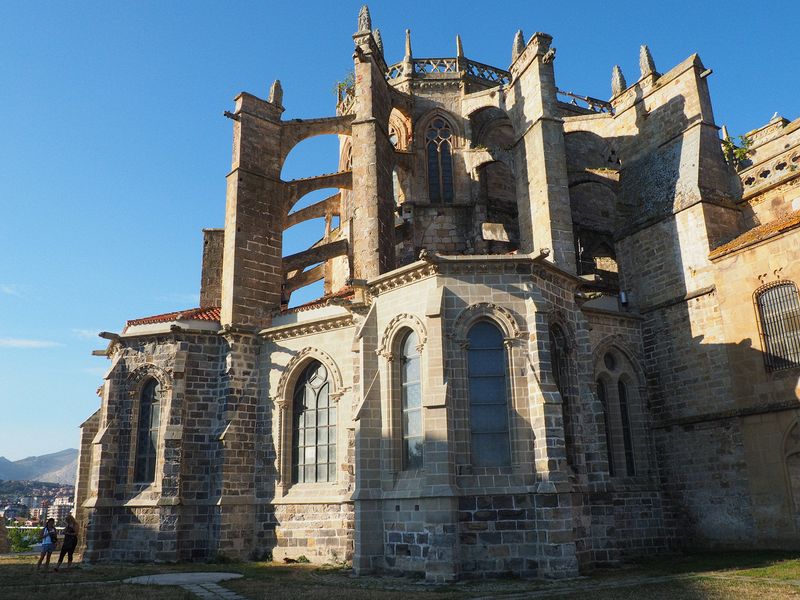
<point>378,40</point>
<point>724,132</point>
<point>276,93</point>
<point>618,84</point>
<point>459,47</point>
<point>519,45</point>
<point>364,20</point>
<point>408,43</point>
<point>647,65</point>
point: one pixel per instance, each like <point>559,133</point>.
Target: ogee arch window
<point>411,402</point>
<point>438,142</point>
<point>779,312</point>
<point>313,427</point>
<point>488,402</point>
<point>147,432</point>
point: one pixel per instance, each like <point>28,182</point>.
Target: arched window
<point>601,394</point>
<point>411,402</point>
<point>623,413</point>
<point>440,161</point>
<point>779,313</point>
<point>147,432</point>
<point>627,438</point>
<point>313,427</point>
<point>559,358</point>
<point>488,402</point>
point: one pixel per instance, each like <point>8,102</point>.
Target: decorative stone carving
<point>501,315</point>
<point>549,56</point>
<point>364,20</point>
<point>647,65</point>
<point>399,322</point>
<point>378,40</point>
<point>518,46</point>
<point>618,84</point>
<point>290,371</point>
<point>139,375</point>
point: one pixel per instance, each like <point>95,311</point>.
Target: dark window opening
<point>779,313</point>
<point>147,433</point>
<point>488,400</point>
<point>440,161</point>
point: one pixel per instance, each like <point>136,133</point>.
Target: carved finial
<point>519,45</point>
<point>724,132</point>
<point>459,47</point>
<point>378,40</point>
<point>647,65</point>
<point>618,84</point>
<point>276,93</point>
<point>408,43</point>
<point>364,20</point>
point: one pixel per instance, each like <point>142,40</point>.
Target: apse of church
<point>556,333</point>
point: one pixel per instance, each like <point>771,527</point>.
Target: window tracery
<point>439,150</point>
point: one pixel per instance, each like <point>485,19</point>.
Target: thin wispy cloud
<point>6,342</point>
<point>85,334</point>
<point>12,289</point>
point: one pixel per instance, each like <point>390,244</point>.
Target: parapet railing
<point>593,104</point>
<point>454,66</point>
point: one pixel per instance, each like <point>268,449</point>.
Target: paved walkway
<point>203,585</point>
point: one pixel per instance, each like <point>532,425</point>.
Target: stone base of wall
<point>320,532</point>
<point>498,536</point>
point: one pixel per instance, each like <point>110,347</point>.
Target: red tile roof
<point>345,292</point>
<point>192,314</point>
<point>758,234</point>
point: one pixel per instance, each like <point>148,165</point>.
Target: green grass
<point>707,576</point>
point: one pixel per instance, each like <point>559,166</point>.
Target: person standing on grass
<point>70,542</point>
<point>49,539</point>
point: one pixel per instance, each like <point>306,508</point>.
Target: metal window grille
<point>779,313</point>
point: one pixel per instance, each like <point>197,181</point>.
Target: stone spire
<point>724,132</point>
<point>408,44</point>
<point>519,45</point>
<point>459,47</point>
<point>647,65</point>
<point>276,93</point>
<point>364,20</point>
<point>378,40</point>
<point>618,84</point>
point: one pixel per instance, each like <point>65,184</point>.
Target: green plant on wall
<point>345,86</point>
<point>735,154</point>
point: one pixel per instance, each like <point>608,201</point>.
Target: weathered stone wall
<point>320,532</point>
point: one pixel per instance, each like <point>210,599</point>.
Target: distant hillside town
<point>30,503</point>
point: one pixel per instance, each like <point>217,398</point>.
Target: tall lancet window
<point>438,141</point>
<point>410,382</point>
<point>488,402</point>
<point>147,434</point>
<point>314,427</point>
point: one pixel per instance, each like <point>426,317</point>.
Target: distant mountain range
<point>59,467</point>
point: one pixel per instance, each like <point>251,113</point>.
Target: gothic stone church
<point>556,332</point>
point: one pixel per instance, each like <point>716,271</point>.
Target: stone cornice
<point>294,330</point>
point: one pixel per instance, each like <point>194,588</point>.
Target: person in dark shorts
<point>49,539</point>
<point>70,542</point>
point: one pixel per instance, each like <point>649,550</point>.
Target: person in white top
<point>49,539</point>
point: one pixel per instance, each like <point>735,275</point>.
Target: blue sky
<point>114,150</point>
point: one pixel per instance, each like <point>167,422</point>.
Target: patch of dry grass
<point>707,576</point>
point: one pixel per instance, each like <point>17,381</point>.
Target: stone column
<point>545,218</point>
